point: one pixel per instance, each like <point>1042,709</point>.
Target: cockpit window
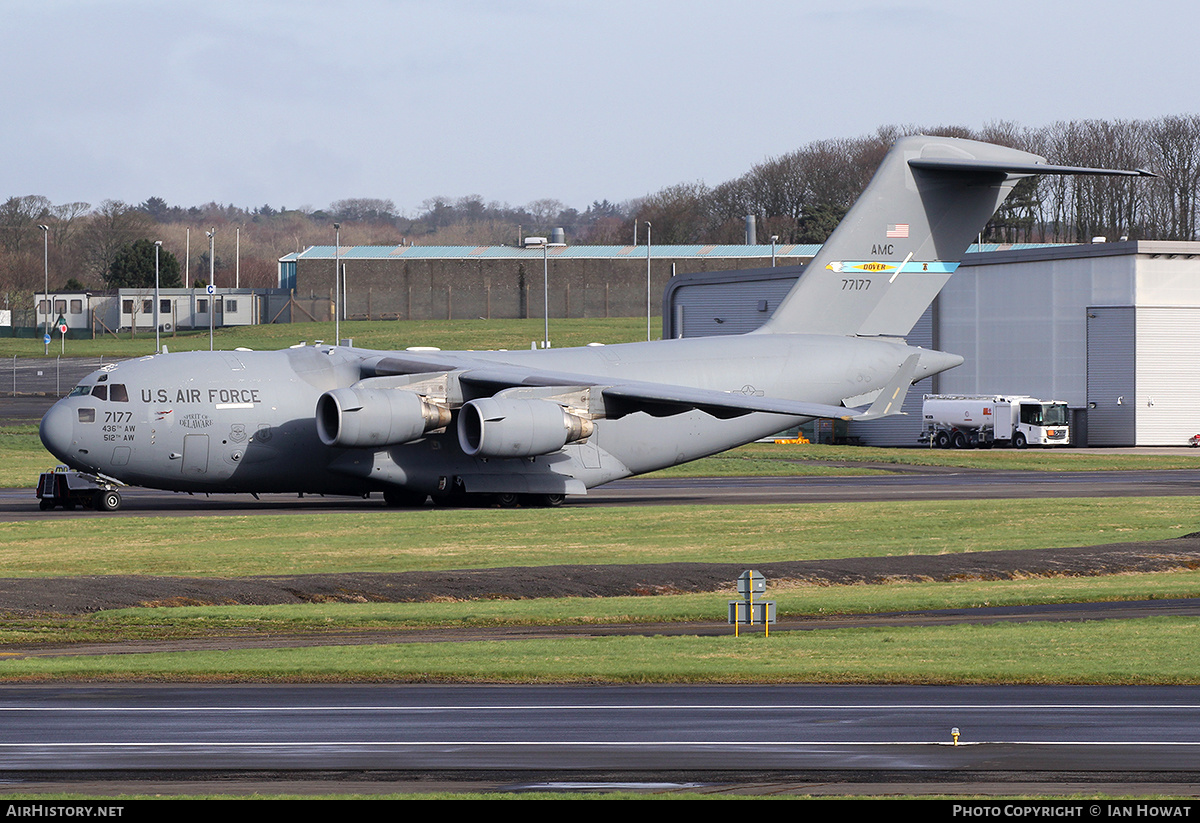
<point>100,392</point>
<point>78,390</point>
<point>118,394</point>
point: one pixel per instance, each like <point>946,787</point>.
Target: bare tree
<point>108,228</point>
<point>19,218</point>
<point>1174,148</point>
<point>680,213</point>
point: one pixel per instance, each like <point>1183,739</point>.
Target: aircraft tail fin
<point>903,238</point>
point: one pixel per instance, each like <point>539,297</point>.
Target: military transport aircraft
<point>533,426</point>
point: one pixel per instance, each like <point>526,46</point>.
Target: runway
<point>670,737</point>
<point>936,484</point>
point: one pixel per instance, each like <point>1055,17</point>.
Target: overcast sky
<point>301,103</point>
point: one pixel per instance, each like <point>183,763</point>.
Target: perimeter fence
<point>43,376</point>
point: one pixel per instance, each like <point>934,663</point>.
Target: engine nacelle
<point>499,427</point>
<point>373,418</point>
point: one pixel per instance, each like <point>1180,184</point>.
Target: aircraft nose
<point>57,430</point>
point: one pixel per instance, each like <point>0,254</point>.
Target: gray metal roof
<point>800,252</point>
<point>797,253</point>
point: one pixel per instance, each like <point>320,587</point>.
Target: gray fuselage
<point>243,421</point>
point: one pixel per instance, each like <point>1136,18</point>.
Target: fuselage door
<point>195,454</point>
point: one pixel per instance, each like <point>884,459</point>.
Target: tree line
<point>798,197</point>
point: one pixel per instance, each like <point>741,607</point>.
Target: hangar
<point>1112,329</point>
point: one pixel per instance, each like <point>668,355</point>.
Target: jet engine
<point>372,418</point>
<point>499,427</point>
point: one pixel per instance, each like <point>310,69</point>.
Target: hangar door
<point>1111,376</point>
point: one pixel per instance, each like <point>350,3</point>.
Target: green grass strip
<point>383,540</point>
<point>792,600</point>
<point>450,335</point>
<point>1147,651</point>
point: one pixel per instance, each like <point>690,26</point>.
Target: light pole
<point>337,290</point>
<point>546,244</point>
<point>237,258</point>
<point>546,293</point>
<point>157,342</point>
<point>647,281</point>
<point>774,240</point>
<point>212,282</point>
<point>46,293</point>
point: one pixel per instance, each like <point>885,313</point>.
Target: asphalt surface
<point>936,484</point>
<point>652,739</point>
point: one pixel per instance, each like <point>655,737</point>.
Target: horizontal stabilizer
<point>998,167</point>
<point>891,399</point>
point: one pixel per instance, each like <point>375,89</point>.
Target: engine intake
<point>498,427</point>
<point>373,418</point>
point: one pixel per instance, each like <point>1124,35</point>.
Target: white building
<point>99,312</point>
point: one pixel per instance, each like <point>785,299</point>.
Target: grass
<point>457,335</point>
<point>381,540</point>
<point>792,600</point>
<point>1146,651</point>
<point>1119,651</point>
<point>772,459</point>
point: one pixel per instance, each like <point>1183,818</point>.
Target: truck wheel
<point>960,440</point>
<point>1019,441</point>
<point>108,501</point>
<point>45,504</point>
<point>942,440</point>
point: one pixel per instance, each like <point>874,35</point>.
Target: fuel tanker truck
<point>967,421</point>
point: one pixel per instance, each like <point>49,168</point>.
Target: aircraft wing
<point>479,378</point>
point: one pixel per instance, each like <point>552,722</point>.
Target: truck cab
<point>1041,424</point>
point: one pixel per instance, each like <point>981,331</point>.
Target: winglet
<point>891,399</point>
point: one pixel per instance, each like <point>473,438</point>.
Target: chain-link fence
<point>44,376</point>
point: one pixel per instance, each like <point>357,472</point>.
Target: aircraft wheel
<point>108,501</point>
<point>1019,441</point>
<point>548,501</point>
<point>507,500</point>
